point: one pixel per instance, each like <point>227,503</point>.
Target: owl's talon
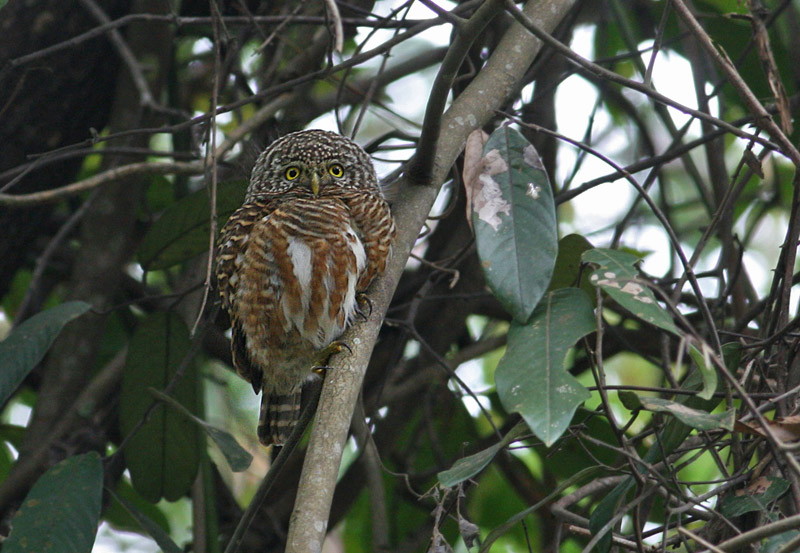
<point>332,349</point>
<point>337,347</point>
<point>326,353</point>
<point>363,303</point>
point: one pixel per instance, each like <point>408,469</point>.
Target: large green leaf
<point>164,453</point>
<point>61,512</point>
<point>27,344</point>
<point>182,230</point>
<point>514,219</point>
<point>530,377</point>
<point>618,277</point>
<point>468,467</point>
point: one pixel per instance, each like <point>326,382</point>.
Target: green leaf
<point>756,497</point>
<point>530,377</point>
<point>164,453</point>
<point>153,529</point>
<point>468,467</point>
<point>629,400</point>
<point>182,230</point>
<point>62,509</point>
<point>568,264</point>
<point>605,512</point>
<point>707,370</point>
<point>27,344</point>
<point>514,219</point>
<point>160,194</point>
<point>618,277</point>
<point>571,456</point>
<point>776,543</point>
<point>694,418</point>
<point>238,458</point>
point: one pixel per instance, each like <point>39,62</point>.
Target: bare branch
<point>111,175</point>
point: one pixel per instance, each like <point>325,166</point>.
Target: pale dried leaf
<point>469,532</point>
<point>785,429</point>
<point>756,487</point>
<point>473,166</point>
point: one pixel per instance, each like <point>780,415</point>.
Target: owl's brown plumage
<point>312,234</point>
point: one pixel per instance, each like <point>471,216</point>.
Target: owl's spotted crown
<point>312,153</point>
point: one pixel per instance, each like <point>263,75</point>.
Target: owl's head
<point>313,163</point>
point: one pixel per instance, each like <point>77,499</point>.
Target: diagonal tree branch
<point>474,107</point>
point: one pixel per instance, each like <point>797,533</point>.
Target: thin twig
<point>44,259</point>
<point>757,534</point>
<point>605,74</point>
<point>211,161</point>
<point>338,31</point>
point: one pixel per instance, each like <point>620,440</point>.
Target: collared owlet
<point>293,260</point>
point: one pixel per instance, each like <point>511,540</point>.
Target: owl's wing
<point>375,225</point>
<point>233,242</point>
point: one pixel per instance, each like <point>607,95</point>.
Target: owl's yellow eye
<point>292,173</point>
<point>336,170</point>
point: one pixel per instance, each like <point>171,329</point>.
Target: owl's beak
<point>314,183</point>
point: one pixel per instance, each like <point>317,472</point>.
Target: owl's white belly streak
<point>332,315</point>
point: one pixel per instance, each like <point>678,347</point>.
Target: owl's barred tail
<point>278,417</point>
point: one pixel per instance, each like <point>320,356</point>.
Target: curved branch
<point>474,107</point>
<point>146,167</point>
<point>111,175</point>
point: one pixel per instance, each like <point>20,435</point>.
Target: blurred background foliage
<point>672,449</point>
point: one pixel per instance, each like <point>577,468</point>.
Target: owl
<point>294,262</point>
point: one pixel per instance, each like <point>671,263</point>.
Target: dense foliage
<point>587,338</point>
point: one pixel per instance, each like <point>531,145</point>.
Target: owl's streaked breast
<point>307,258</point>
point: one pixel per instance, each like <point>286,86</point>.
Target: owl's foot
<point>363,306</point>
<point>327,352</point>
<point>333,348</point>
